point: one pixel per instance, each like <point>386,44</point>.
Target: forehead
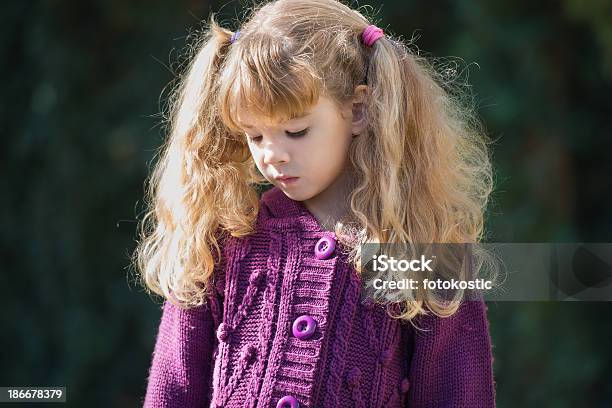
<point>322,108</point>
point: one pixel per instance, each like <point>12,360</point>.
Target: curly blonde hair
<point>422,166</point>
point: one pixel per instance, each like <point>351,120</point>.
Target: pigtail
<point>423,164</point>
<point>197,191</point>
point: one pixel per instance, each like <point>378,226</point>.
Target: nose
<point>275,153</point>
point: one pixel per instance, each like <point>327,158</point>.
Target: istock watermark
<point>478,284</point>
<point>491,271</point>
<point>383,262</point>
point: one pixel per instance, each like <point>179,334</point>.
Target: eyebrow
<point>303,115</point>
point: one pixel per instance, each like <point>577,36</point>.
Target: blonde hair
<point>423,172</point>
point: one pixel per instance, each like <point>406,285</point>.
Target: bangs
<point>261,80</point>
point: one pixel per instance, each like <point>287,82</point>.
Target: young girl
<point>262,294</point>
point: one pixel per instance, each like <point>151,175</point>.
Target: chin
<point>295,195</point>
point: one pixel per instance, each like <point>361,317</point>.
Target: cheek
<point>257,158</point>
<point>331,154</point>
<point>256,155</point>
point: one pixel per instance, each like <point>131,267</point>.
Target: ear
<point>357,105</point>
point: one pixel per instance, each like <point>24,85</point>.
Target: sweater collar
<point>279,212</point>
<point>281,209</point>
<point>281,206</point>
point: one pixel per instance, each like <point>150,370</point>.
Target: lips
<point>285,179</point>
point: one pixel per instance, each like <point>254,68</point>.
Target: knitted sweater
<point>286,328</point>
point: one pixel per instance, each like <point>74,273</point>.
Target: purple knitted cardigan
<point>240,349</point>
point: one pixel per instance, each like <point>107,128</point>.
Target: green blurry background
<point>82,87</point>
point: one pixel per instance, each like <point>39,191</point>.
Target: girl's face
<point>311,150</point>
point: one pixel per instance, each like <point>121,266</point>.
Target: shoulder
<point>469,322</point>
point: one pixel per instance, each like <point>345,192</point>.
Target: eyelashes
<point>297,134</point>
<point>254,139</point>
<point>293,135</point>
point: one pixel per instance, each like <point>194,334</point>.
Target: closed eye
<point>254,139</point>
<point>297,134</point>
<point>303,132</point>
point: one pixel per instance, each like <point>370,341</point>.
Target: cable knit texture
<point>240,349</point>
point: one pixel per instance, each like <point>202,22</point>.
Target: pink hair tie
<point>371,34</point>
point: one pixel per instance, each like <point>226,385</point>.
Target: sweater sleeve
<point>452,361</point>
<point>180,372</point>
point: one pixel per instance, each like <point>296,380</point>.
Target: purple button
<point>303,327</point>
<point>325,247</point>
<point>287,402</point>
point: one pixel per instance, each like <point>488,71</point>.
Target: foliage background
<point>82,90</point>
